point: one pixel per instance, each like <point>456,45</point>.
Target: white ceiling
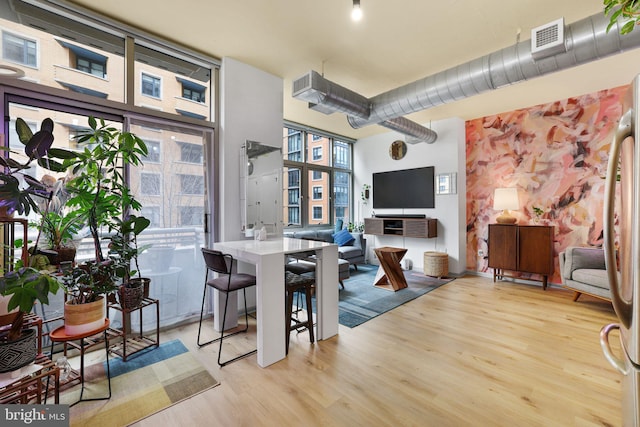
<point>396,42</point>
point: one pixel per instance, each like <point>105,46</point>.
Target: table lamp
<point>505,199</point>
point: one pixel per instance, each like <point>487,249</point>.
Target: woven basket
<point>436,264</point>
<point>131,295</point>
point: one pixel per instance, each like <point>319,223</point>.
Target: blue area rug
<point>145,357</point>
<point>361,301</point>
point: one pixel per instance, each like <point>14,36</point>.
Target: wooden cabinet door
<point>373,226</point>
<point>503,246</point>
<point>535,249</point>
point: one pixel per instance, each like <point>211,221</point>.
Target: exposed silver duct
<point>328,97</point>
<point>415,132</point>
<point>585,41</point>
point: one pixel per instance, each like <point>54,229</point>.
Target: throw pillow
<point>339,224</point>
<point>343,238</point>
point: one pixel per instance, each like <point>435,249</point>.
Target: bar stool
<point>228,282</point>
<point>60,335</point>
<point>298,283</point>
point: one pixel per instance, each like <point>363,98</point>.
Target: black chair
<point>296,283</point>
<point>227,282</point>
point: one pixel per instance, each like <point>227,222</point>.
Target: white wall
<point>446,154</point>
<point>251,107</point>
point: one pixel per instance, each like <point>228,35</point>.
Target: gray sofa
<point>583,271</point>
<point>348,255</point>
<point>353,252</point>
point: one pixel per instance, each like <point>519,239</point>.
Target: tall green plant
<point>38,148</point>
<point>100,192</point>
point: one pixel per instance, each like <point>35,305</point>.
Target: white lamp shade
<point>505,198</point>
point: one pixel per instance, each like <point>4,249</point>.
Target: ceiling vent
<point>328,97</point>
<point>548,40</point>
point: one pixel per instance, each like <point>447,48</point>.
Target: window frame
<point>146,174</point>
<point>24,39</point>
<point>158,78</point>
<point>296,141</point>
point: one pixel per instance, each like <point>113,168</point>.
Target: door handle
<point>606,348</point>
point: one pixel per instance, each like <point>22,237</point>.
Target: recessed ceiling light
<point>356,12</point>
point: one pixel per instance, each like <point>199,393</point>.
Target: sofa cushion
<point>592,276</point>
<point>305,235</point>
<point>343,238</point>
<point>577,258</point>
<point>346,252</point>
<point>325,235</point>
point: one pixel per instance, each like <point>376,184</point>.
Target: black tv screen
<point>404,189</point>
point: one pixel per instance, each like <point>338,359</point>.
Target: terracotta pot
<point>83,318</point>
<point>21,352</point>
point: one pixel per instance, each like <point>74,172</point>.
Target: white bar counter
<point>269,257</point>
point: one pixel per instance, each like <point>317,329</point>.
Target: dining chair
<point>227,282</point>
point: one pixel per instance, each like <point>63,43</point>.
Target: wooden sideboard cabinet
<point>521,248</point>
<point>405,227</point>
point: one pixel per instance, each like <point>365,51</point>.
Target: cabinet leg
<point>544,282</point>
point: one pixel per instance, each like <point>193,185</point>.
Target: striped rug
<point>143,385</point>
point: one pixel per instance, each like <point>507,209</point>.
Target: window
<point>91,66</point>
<point>192,94</point>
<point>192,184</point>
<point>294,216</point>
<point>293,145</point>
<point>293,196</point>
<point>190,153</point>
<point>341,155</point>
<point>150,184</point>
<point>151,85</point>
<point>153,155</point>
<point>317,193</point>
<point>191,215</point>
<point>20,50</point>
<point>316,187</point>
<point>152,213</point>
<point>317,153</point>
<point>317,213</point>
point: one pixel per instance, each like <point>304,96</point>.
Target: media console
<point>420,216</point>
<point>402,226</point>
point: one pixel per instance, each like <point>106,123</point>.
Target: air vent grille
<point>302,83</point>
<point>547,36</point>
<point>548,40</point>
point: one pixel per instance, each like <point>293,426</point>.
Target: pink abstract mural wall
<point>555,155</point>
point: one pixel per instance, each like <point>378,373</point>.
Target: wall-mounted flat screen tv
<point>404,189</point>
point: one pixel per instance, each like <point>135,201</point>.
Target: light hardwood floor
<point>471,353</point>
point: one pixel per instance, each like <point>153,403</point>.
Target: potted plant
<point>100,195</point>
<point>19,192</point>
<point>25,286</point>
<point>58,231</point>
<point>100,198</point>
<point>538,212</point>
<point>124,251</point>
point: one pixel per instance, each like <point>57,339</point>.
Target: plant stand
<point>131,345</point>
<point>31,387</point>
<point>86,341</point>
